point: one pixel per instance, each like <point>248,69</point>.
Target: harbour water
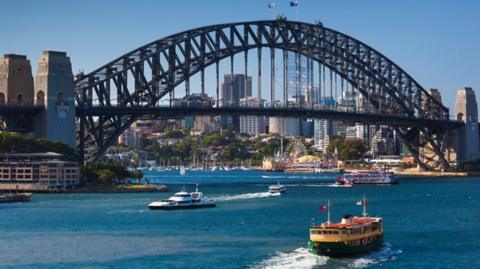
<point>429,223</point>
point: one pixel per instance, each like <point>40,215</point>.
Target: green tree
<point>351,149</point>
<point>138,175</point>
<point>106,177</point>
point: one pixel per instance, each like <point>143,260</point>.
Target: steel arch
<point>174,59</point>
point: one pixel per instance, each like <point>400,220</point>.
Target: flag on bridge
<point>271,4</point>
<point>324,207</point>
<point>294,3</point>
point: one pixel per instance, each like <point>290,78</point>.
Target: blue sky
<point>436,41</point>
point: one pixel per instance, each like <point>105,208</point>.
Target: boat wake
<point>385,254</point>
<point>295,177</point>
<point>326,185</point>
<point>301,258</point>
<point>246,196</point>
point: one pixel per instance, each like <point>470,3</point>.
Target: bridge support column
<point>54,80</point>
<point>467,142</point>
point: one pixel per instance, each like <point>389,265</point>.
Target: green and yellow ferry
<point>352,235</point>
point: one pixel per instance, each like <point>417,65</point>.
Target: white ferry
<point>183,200</point>
<point>277,188</point>
<point>369,177</point>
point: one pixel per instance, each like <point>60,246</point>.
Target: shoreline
<point>150,188</point>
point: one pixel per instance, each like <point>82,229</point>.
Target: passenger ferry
<point>183,200</point>
<point>369,177</point>
<point>352,235</point>
<point>278,188</point>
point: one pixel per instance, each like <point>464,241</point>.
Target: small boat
<point>15,197</point>
<point>183,200</point>
<point>351,236</point>
<point>277,188</point>
<point>341,181</point>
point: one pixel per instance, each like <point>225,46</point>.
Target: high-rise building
<point>323,130</point>
<point>233,89</point>
<point>252,124</point>
<point>300,91</point>
<point>365,132</point>
<point>385,142</point>
<point>351,132</point>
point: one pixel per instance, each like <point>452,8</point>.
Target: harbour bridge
<point>150,80</point>
<point>144,81</point>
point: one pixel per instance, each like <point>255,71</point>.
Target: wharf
<point>430,173</point>
<point>95,189</point>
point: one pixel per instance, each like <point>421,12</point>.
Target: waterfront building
<point>37,172</point>
<point>252,125</point>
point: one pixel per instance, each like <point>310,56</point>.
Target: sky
<point>435,41</point>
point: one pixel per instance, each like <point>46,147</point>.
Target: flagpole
<point>364,207</point>
<point>328,211</point>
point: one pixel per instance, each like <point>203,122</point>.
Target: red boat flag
<point>323,207</point>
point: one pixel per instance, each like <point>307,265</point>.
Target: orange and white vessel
<point>352,235</point>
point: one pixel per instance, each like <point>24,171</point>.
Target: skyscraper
<point>232,90</point>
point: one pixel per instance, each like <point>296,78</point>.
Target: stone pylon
<point>466,111</point>
<point>55,90</point>
<point>16,81</point>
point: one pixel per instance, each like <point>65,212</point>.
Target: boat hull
<point>15,198</point>
<point>339,249</point>
<point>180,207</point>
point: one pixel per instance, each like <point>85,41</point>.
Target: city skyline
<point>92,34</point>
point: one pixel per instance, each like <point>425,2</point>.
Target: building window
<point>460,116</point>
<point>60,98</point>
<point>40,98</point>
<point>20,99</point>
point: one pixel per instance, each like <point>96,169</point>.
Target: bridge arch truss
<point>112,97</point>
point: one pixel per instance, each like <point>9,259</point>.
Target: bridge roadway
<point>24,109</point>
<point>295,112</point>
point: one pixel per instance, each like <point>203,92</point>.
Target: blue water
<point>429,223</point>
